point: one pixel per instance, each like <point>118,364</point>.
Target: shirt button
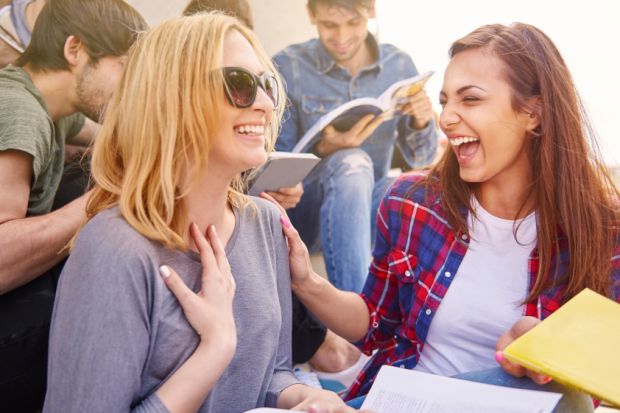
<point>375,325</point>
<point>464,237</point>
<point>448,274</point>
<point>408,273</point>
<point>428,312</point>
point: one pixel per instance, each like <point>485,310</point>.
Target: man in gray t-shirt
<point>66,69</point>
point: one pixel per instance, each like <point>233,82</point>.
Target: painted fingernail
<point>164,270</point>
<point>547,379</point>
<point>499,357</point>
<point>285,222</point>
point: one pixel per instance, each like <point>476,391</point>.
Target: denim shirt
<point>316,84</point>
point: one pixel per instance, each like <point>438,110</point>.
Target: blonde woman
<point>198,104</point>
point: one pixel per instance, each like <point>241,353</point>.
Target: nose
<point>448,118</point>
<point>263,102</point>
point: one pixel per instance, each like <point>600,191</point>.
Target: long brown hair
<point>573,191</point>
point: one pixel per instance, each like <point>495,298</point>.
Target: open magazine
<point>282,170</point>
<point>343,117</point>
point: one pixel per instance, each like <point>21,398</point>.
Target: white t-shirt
<point>485,298</point>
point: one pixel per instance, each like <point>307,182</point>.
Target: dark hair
<point>352,5</point>
<point>572,188</point>
<point>236,8</point>
<point>105,28</point>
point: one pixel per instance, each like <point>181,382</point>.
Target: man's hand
<point>288,197</point>
<point>332,140</point>
<point>521,327</point>
<point>420,108</point>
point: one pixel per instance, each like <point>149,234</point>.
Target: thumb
<point>329,130</point>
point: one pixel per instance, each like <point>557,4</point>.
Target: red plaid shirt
<point>415,258</point>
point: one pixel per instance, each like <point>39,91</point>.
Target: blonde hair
<point>161,122</point>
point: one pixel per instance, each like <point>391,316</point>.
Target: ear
<point>73,50</point>
<point>311,15</point>
<point>534,114</point>
<point>372,12</point>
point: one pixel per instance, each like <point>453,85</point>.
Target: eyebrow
<point>463,89</point>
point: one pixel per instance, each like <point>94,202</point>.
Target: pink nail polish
<point>285,222</point>
<point>499,357</point>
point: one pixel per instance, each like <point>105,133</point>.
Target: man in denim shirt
<point>340,196</point>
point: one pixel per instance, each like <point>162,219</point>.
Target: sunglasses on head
<point>241,86</point>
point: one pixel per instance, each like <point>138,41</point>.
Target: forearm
<point>187,389</point>
<point>343,312</point>
<point>31,246</point>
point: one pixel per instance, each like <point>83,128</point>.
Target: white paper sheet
<point>397,390</point>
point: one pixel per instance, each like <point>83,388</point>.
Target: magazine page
<point>309,139</point>
<point>399,92</point>
<point>397,390</point>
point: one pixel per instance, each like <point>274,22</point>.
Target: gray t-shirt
<point>26,126</point>
<point>118,332</point>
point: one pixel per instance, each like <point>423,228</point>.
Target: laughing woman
<point>197,105</point>
<point>516,219</point>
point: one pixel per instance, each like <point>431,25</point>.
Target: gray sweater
<point>118,332</point>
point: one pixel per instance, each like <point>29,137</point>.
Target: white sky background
<point>587,33</point>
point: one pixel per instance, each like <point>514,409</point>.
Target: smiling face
<point>489,138</point>
<point>240,141</point>
<point>341,31</point>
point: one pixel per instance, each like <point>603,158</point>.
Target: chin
<point>255,161</point>
<point>471,176</point>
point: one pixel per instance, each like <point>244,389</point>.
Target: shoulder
<point>416,187</point>
<point>109,235</point>
<point>265,211</point>
<point>17,102</point>
<point>397,58</point>
<point>296,52</point>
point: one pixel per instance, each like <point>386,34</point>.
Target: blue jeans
<point>336,215</point>
<point>572,401</point>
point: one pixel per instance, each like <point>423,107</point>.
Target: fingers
<point>509,367</point>
<point>519,371</point>
<point>207,256</point>
<point>362,124</point>
<point>286,201</point>
<point>175,284</point>
<point>370,128</point>
<point>218,250</point>
<point>538,378</point>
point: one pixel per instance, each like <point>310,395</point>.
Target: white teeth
<point>461,140</point>
<point>251,129</point>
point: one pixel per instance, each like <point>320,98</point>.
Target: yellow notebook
<point>578,345</point>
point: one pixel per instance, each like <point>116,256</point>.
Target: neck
<point>207,204</point>
<point>507,200</point>
<point>55,87</point>
<point>361,59</point>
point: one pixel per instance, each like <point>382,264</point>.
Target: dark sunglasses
<point>241,86</point>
